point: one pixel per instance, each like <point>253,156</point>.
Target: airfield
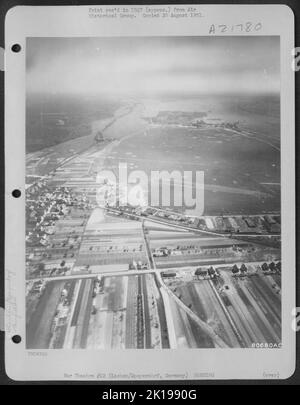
<point>102,277</point>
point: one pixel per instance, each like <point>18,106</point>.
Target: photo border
<point>198,381</point>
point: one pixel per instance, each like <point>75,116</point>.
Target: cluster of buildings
<point>215,123</point>
<point>255,224</point>
<point>249,224</point>
<point>43,207</point>
<point>193,119</point>
<point>46,206</point>
<point>211,272</point>
<point>175,117</point>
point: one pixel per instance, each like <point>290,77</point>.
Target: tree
<point>211,271</point>
<point>235,269</point>
<point>200,272</point>
<point>272,266</point>
<point>243,268</point>
<point>41,267</point>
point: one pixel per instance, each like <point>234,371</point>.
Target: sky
<point>150,66</point>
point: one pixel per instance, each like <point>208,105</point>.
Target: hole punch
<point>16,193</point>
<point>16,48</point>
<point>16,339</point>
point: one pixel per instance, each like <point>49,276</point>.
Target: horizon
<point>152,67</point>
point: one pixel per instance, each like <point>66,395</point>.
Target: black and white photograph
<point>153,193</point>
<point>150,195</point>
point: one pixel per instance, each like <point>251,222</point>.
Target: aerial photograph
<point>153,214</point>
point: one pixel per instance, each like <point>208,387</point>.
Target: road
<point>162,221</point>
<point>152,270</point>
<point>203,325</point>
<point>93,275</point>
